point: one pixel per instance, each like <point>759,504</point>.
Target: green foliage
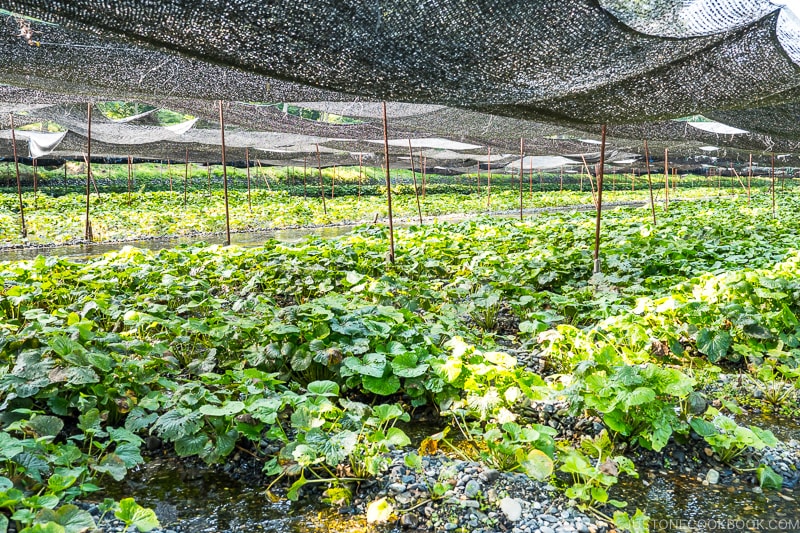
<point>728,439</point>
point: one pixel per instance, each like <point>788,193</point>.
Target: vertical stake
<point>649,180</point>
<point>65,176</point>
<point>414,175</point>
<point>489,179</point>
<point>35,183</point>
<point>305,174</point>
<point>424,162</point>
<point>247,169</point>
<point>185,177</point>
<point>224,176</point>
<point>388,183</point>
<point>333,183</point>
<point>749,178</point>
<point>599,200</point>
<point>521,171</point>
<point>530,179</point>
<point>360,173</point>
<point>772,174</point>
<point>130,176</point>
<point>87,233</point>
<point>321,184</point>
<point>208,169</point>
<point>666,179</point>
<point>23,227</point>
<point>169,173</point>
<point>561,179</point>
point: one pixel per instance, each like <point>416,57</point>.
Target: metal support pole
<point>23,226</point>
<point>414,175</point>
<point>521,171</point>
<point>388,183</point>
<point>321,184</point>
<point>224,176</point>
<point>599,200</point>
<point>87,233</point>
<point>649,181</point>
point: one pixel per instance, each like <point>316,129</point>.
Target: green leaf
<point>639,396</point>
<point>714,344</point>
<point>382,386</point>
<point>405,366</point>
<point>323,388</point>
<point>136,516</point>
<point>703,428</point>
<point>50,527</point>
<point>397,437</point>
<point>113,466</point>
<point>768,478</point>
<point>191,444</point>
<point>46,425</point>
<point>70,517</point>
<point>537,465</point>
<point>227,409</point>
<point>9,446</point>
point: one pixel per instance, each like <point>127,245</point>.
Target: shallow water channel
<point>246,239</point>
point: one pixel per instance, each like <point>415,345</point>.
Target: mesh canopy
<point>474,75</point>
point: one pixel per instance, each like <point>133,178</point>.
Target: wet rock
<point>712,477</point>
<point>409,521</point>
<point>472,489</point>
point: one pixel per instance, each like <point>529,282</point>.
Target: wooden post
<point>185,177</point>
<point>224,176</point>
<point>23,227</point>
<point>424,162</point>
<point>305,174</point>
<point>35,184</point>
<point>321,184</point>
<point>247,169</point>
<point>414,175</point>
<point>772,173</point>
<point>599,200</point>
<point>360,172</point>
<point>649,181</point>
<point>388,183</point>
<point>489,179</point>
<point>130,176</point>
<point>666,179</point>
<point>749,178</point>
<point>87,233</point>
<point>521,172</point>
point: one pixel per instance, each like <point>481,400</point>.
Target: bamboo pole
<point>560,179</point>
<point>65,177</point>
<point>247,169</point>
<point>599,200</point>
<point>521,172</point>
<point>224,176</point>
<point>321,184</point>
<point>666,179</point>
<point>333,183</point>
<point>772,173</point>
<point>360,172</point>
<point>23,226</point>
<point>649,181</point>
<point>414,175</point>
<point>749,178</point>
<point>169,173</point>
<point>185,177</point>
<point>424,174</point>
<point>208,169</point>
<point>130,176</point>
<point>87,232</point>
<point>35,184</point>
<point>388,183</point>
<point>489,179</point>
<point>305,174</point>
